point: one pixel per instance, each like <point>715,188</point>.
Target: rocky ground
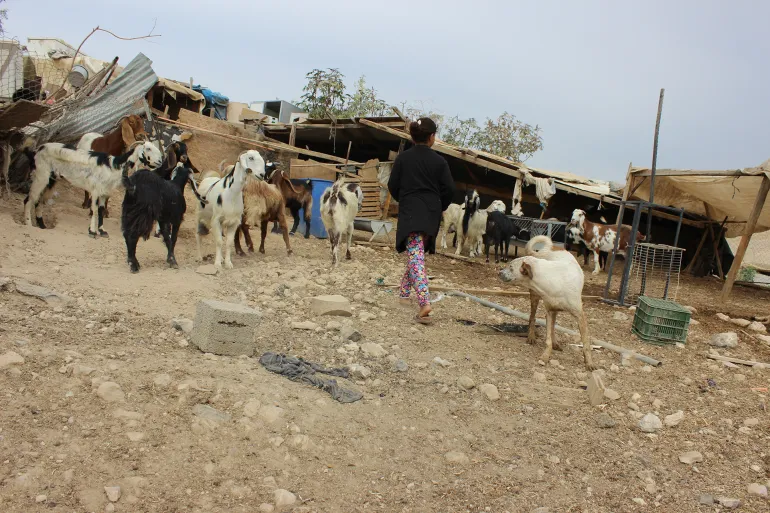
<point>106,406</point>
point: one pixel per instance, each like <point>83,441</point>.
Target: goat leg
<point>284,231</point>
<point>133,263</point>
<point>334,240</point>
<point>262,234</point>
<point>94,225</point>
<point>230,235</point>
<point>86,200</point>
<point>165,230</point>
<point>583,326</point>
<point>550,323</point>
<point>308,215</point>
<point>296,217</point>
<point>275,229</point>
<point>101,211</point>
<point>106,211</point>
<point>349,242</point>
<point>534,301</point>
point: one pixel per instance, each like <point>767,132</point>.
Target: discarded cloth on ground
<point>297,369</point>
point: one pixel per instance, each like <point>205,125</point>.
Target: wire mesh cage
<point>556,230</point>
<point>655,271</point>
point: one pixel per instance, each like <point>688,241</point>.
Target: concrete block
<point>595,389</point>
<point>225,329</point>
<point>331,305</point>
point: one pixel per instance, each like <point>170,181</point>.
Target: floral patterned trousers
<point>415,270</point>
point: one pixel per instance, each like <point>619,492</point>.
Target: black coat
<point>421,183</point>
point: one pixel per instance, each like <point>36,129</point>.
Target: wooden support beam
<point>714,240</point>
<point>293,135</point>
<point>690,172</point>
<point>689,267</point>
<point>759,203</point>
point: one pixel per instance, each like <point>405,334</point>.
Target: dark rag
<point>297,369</point>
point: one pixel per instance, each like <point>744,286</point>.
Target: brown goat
<point>298,194</point>
<point>262,203</point>
<point>129,130</point>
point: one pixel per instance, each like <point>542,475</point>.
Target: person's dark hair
<point>422,129</point>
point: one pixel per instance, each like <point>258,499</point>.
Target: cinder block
<point>595,389</point>
<point>225,328</point>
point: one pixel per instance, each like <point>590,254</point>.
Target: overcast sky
<point>588,72</point>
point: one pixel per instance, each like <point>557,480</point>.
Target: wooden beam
<point>697,251</point>
<point>690,172</point>
<point>759,203</point>
<point>626,191</point>
<point>293,135</point>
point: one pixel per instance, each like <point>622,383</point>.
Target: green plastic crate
<point>660,322</point>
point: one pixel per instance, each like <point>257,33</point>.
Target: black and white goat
<point>499,231</point>
<point>474,223</point>
<point>98,174</point>
<point>224,208</point>
<point>151,199</point>
<point>339,205</point>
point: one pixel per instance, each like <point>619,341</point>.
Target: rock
<point>182,324</point>
<point>639,501</point>
<point>595,389</point>
<point>657,403</point>
<point>109,508</point>
<point>751,422</point>
<point>440,361</point>
<point>81,370</point>
<point>366,316</point>
<point>333,325</point>
<point>465,383</point>
<point>49,296</point>
<point>690,457</point>
<point>614,368</point>
<point>10,358</point>
<point>207,270</point>
<point>674,419</point>
<point>359,371</point>
<point>110,392</point>
<point>135,436</point>
<point>352,347</point>
<point>266,508</point>
<point>251,408</point>
<point>728,339</point>
<point>283,498</point>
<point>650,423</point>
<point>207,412</point>
<point>270,414</point>
<point>633,406</point>
<point>304,325</point>
<point>729,502</point>
<point>690,309</point>
<point>758,327</point>
<point>490,391</point>
<point>693,322</point>
<point>539,377</point>
<point>113,493</point>
<point>706,499</point>
<point>757,489</point>
<point>456,458</point>
<point>331,305</point>
<point>350,334</point>
<point>603,420</point>
<point>742,323</point>
<point>723,317</point>
<point>373,350</point>
<point>400,366</point>
<point>619,316</point>
<point>162,380</point>
<point>611,394</point>
<point>41,498</point>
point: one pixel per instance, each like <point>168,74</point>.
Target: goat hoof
<point>261,250</point>
<point>251,249</point>
<point>228,265</point>
<point>546,356</point>
<point>104,234</point>
<point>172,264</point>
<point>531,341</point>
<point>91,234</point>
<point>290,252</point>
<point>40,223</point>
<point>557,347</point>
<point>591,366</point>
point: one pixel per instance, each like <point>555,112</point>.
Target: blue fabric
<point>214,100</point>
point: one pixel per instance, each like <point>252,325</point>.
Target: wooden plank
<point>730,359</point>
<point>697,251</point>
<point>690,172</point>
<point>293,135</point>
<point>759,203</point>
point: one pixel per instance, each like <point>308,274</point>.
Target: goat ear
<point>128,133</point>
<point>171,154</point>
<point>526,269</point>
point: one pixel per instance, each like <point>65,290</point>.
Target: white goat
<point>224,210</point>
<point>87,140</point>
<point>555,277</point>
<point>451,221</point>
<point>339,205</point>
<point>98,174</point>
<point>473,228</point>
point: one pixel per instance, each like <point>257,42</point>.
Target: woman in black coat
<point>421,183</point>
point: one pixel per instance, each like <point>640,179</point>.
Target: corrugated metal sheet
<point>101,113</point>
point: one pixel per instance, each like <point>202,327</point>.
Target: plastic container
<point>317,228</point>
<point>660,322</point>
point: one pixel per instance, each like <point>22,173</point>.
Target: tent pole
<point>751,224</point>
<point>654,165</point>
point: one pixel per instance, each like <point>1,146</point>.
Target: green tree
<point>459,132</point>
<point>3,16</point>
<point>508,137</point>
<point>365,102</point>
<point>324,93</point>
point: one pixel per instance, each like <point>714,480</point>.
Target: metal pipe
<point>654,164</point>
<point>614,250</point>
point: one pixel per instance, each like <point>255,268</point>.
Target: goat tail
<point>221,166</point>
<point>194,188</point>
<point>538,245</point>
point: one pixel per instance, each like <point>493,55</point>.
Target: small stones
<point>757,489</point>
<point>207,270</point>
<point>729,502</point>
<point>304,325</point>
<point>251,408</point>
<point>595,389</point>
<point>400,366</point>
<point>110,392</point>
<point>742,323</point>
<point>366,316</point>
<point>727,339</point>
<point>553,459</point>
<point>619,316</point>
<point>751,422</point>
<point>162,380</point>
<point>41,498</point>
<point>691,457</point>
<point>674,419</point>
<point>639,501</point>
<point>182,324</point>
<point>10,358</point>
<point>350,334</point>
<point>465,383</point>
<point>266,508</point>
<point>113,493</point>
<point>723,317</point>
<point>456,458</point>
<point>611,394</point>
<point>331,305</point>
<point>539,377</point>
<point>650,423</point>
<point>359,371</point>
<point>706,499</point>
<point>135,436</point>
<point>757,327</point>
<point>81,370</point>
<point>441,362</point>
<point>333,325</point>
<point>270,414</point>
<point>283,498</point>
<point>207,412</point>
<point>490,391</point>
<point>604,421</point>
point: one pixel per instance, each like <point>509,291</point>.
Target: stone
<point>757,489</point>
<point>283,498</point>
<point>742,323</point>
<point>10,358</point>
<point>41,498</point>
<point>456,458</point>
<point>135,436</point>
<point>728,339</point>
<point>706,499</point>
<point>49,296</point>
<point>266,508</point>
<point>162,380</point>
<point>539,377</point>
<point>350,334</point>
<point>225,329</point>
<point>251,408</point>
<point>674,419</point>
<point>110,392</point>
<point>729,502</point>
<point>304,325</point>
<point>619,316</point>
<point>333,325</point>
<point>271,414</point>
<point>639,501</point>
<point>207,270</point>
<point>440,361</point>
<point>359,371</point>
<point>490,391</point>
<point>373,350</point>
<point>657,403</point>
<point>465,383</point>
<point>723,317</point>
<point>331,305</point>
<point>113,493</point>
<point>611,394</point>
<point>400,366</point>
<point>595,389</point>
<point>182,324</point>
<point>751,422</point>
<point>206,412</point>
<point>604,421</point>
<point>690,457</point>
<point>109,508</point>
<point>650,423</point>
<point>758,327</point>
<point>690,309</point>
<point>633,406</point>
<point>81,370</point>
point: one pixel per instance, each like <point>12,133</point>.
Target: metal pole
<point>654,166</point>
<point>614,250</point>
<point>630,257</point>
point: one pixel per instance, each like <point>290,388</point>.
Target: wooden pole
<point>759,203</point>
<point>626,190</point>
<point>7,166</point>
<point>697,251</point>
<point>714,240</point>
<point>293,135</point>
<point>654,163</point>
<point>347,155</point>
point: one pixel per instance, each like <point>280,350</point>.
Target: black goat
<point>298,194</point>
<point>150,199</point>
<point>500,229</point>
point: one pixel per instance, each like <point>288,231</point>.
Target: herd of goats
<point>248,192</point>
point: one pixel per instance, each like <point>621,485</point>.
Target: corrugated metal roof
<point>102,113</point>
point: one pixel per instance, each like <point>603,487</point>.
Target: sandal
<point>424,320</point>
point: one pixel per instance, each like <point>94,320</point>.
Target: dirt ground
<point>418,441</point>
